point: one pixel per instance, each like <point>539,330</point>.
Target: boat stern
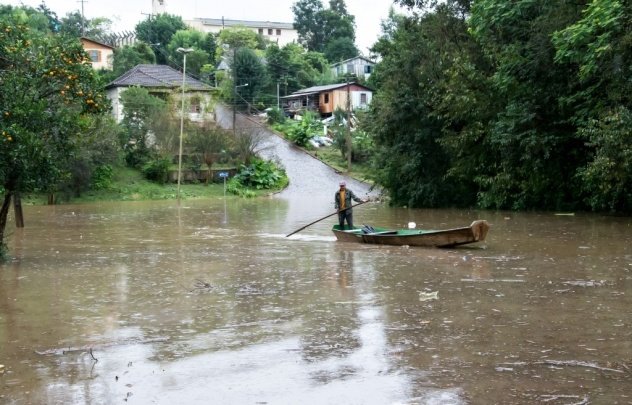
<point>479,230</point>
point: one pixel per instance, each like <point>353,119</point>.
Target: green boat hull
<point>476,232</point>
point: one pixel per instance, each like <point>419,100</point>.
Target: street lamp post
<point>235,106</point>
<point>183,51</point>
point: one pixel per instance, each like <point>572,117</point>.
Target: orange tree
<point>47,90</point>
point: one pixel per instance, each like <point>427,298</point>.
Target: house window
<point>260,31</point>
<point>95,55</point>
<point>363,98</point>
<point>368,69</point>
<point>278,31</point>
<point>326,98</point>
<point>195,107</point>
<point>269,31</point>
<point>350,68</point>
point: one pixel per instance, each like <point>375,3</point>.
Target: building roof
<point>319,89</point>
<point>354,58</point>
<point>222,22</point>
<point>94,41</point>
<point>156,76</point>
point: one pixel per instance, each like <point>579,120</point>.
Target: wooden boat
<point>476,232</point>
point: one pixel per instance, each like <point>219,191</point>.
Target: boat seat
<point>369,230</point>
<point>385,233</point>
<point>366,229</point>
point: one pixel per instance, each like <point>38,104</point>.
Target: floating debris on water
<point>585,283</point>
<point>425,296</point>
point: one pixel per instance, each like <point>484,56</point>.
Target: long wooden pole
<point>326,216</point>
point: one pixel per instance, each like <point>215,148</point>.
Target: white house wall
<point>114,95</point>
<point>206,110</point>
<point>356,99</point>
<point>287,36</point>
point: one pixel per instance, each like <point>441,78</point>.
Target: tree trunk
<point>4,213</point>
<point>17,208</point>
<point>51,199</point>
<point>208,159</point>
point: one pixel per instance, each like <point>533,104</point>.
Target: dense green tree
<point>248,69</point>
<point>410,160</point>
<point>191,39</point>
<point>75,25</point>
<point>129,56</point>
<point>339,49</point>
<point>238,37</point>
<point>536,144</point>
<point>596,49</point>
<point>308,21</point>
<point>157,32</point>
<point>90,167</point>
<point>141,109</point>
<point>519,105</point>
<point>292,68</point>
<point>607,178</point>
<point>164,125</point>
<point>46,91</point>
<point>338,22</point>
<point>208,140</point>
<point>321,29</point>
<point>41,19</point>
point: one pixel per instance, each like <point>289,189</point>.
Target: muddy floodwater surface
<point>210,303</point>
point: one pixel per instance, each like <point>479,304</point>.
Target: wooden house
<point>326,99</point>
<point>359,66</point>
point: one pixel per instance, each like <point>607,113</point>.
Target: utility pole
<point>83,18</point>
<point>232,68</point>
<point>235,87</point>
<point>349,140</point>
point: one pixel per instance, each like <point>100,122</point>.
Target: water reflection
<point>333,323</point>
<point>210,302</point>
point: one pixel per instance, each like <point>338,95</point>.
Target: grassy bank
<point>130,185</point>
<point>332,157</point>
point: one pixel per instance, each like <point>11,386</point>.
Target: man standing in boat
<point>343,204</point>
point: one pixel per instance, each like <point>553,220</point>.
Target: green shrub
<point>235,187</point>
<point>362,146</point>
<point>137,158</point>
<point>276,116</point>
<point>260,174</point>
<point>157,170</point>
<point>302,131</point>
<point>102,177</point>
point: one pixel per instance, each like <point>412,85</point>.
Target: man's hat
<point>342,183</point>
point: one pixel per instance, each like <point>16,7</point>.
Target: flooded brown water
<point>210,303</point>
